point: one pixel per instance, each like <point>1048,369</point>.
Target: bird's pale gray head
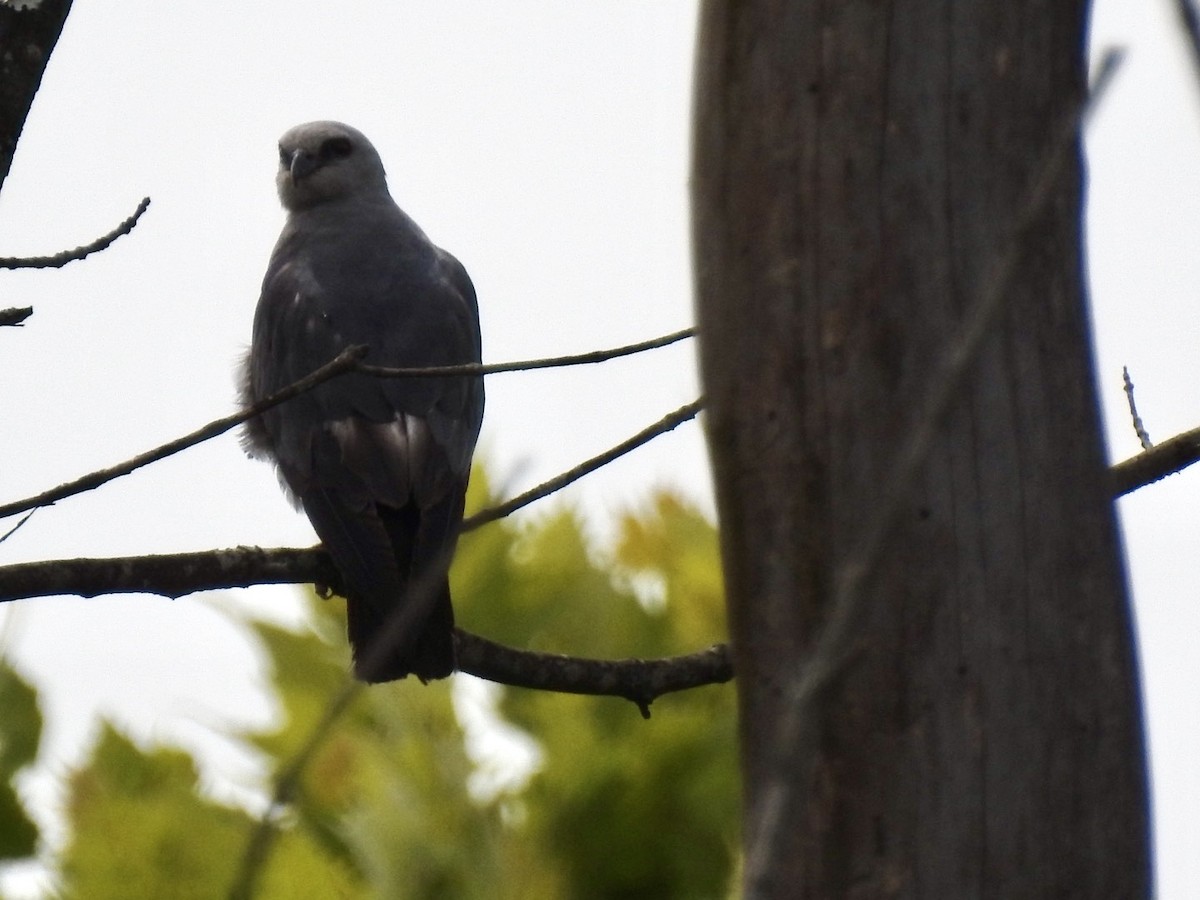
<point>320,162</point>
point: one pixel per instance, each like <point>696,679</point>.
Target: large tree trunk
<point>859,170</point>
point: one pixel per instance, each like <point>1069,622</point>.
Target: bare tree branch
<point>638,680</point>
<point>171,575</point>
<point>348,360</point>
<point>1138,426</point>
<point>25,518</point>
<point>175,574</point>
<point>1155,462</point>
<point>663,425</point>
<point>343,362</point>
<point>553,362</point>
<point>1165,458</point>
<point>58,260</point>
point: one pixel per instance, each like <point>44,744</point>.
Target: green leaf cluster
<point>615,807</point>
<point>20,733</point>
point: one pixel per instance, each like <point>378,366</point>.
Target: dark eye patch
<point>335,148</point>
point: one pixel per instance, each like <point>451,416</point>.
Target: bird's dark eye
<point>336,148</point>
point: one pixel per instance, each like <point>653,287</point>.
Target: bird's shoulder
<point>365,273</point>
<point>359,247</point>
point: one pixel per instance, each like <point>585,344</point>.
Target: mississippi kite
<point>379,465</point>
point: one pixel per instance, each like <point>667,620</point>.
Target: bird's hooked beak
<point>302,164</point>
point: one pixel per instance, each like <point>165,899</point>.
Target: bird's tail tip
<point>385,650</point>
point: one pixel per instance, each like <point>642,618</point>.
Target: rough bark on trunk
<point>858,170</point>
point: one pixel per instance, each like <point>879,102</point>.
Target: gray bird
<point>379,465</point>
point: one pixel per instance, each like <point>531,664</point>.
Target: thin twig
<point>525,365</point>
<point>343,362</point>
<point>58,260</point>
<point>1138,426</point>
<point>264,831</point>
<point>349,360</point>
<point>25,518</point>
<point>557,483</point>
<point>176,574</point>
<point>794,740</point>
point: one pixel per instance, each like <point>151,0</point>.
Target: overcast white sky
<point>545,144</point>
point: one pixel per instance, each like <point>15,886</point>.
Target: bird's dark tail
<point>415,634</point>
<point>394,564</point>
<point>392,644</point>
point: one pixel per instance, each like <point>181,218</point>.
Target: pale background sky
<point>544,144</point>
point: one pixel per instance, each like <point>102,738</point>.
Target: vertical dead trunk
<point>858,170</point>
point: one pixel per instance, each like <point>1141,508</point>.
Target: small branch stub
<point>58,260</point>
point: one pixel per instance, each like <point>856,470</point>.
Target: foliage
<point>20,732</point>
<point>618,807</point>
<point>143,830</point>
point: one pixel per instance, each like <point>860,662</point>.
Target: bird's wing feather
<point>413,306</point>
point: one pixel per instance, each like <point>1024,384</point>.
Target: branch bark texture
<point>173,575</point>
<point>858,175</point>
